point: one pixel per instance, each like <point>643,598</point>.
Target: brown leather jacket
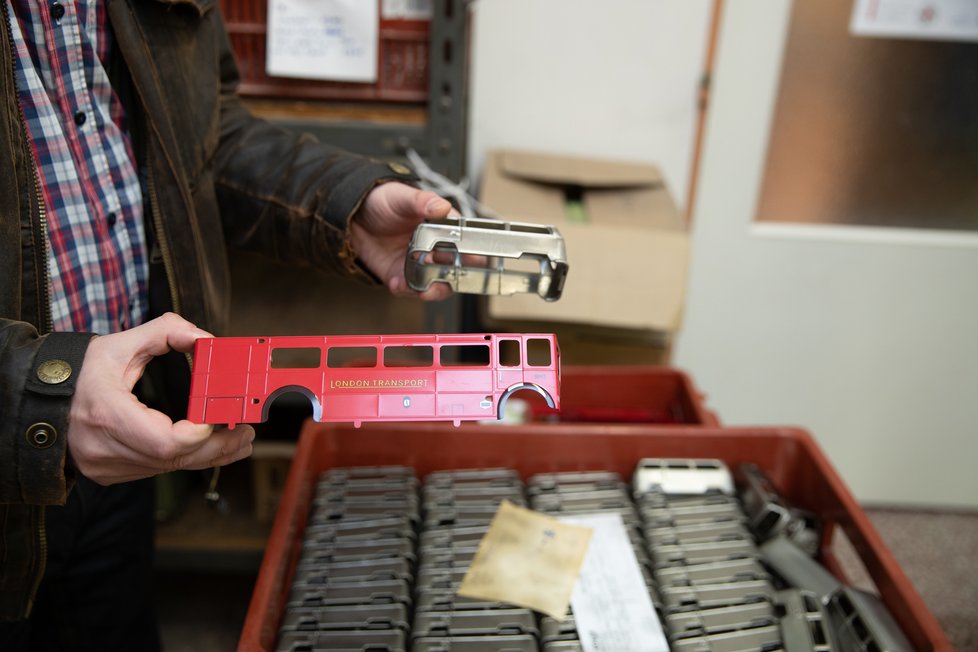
<point>214,177</point>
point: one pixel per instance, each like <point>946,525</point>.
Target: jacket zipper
<point>48,326</point>
<point>47,323</point>
<point>154,209</point>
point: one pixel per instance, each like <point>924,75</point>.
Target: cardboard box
<point>627,244</point>
<point>584,344</point>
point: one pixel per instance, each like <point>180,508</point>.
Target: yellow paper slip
<point>527,559</point>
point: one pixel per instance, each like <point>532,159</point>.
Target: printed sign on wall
<point>323,39</point>
<point>939,20</point>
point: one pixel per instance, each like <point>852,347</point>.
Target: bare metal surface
<point>490,257</point>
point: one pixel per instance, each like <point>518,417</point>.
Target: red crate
<point>402,61</point>
<point>625,394</point>
<point>790,457</point>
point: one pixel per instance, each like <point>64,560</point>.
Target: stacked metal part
<point>716,594</point>
<point>457,508</point>
<point>736,568</point>
<point>352,585</point>
<point>587,492</point>
<point>820,614</point>
<point>728,569</point>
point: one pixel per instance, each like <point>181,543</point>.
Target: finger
<point>228,446</point>
<point>222,447</point>
<point>437,292</point>
<point>131,475</point>
<point>189,436</point>
<point>399,288</point>
<point>149,438</point>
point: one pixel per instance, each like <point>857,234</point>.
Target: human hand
<point>112,437</point>
<point>381,231</point>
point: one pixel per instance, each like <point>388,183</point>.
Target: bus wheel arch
<point>317,408</point>
<point>501,407</point>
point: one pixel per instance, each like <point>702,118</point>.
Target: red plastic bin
<point>626,394</point>
<point>789,456</point>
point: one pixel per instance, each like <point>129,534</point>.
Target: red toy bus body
<point>372,377</point>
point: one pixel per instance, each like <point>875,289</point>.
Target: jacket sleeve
<point>286,194</point>
<point>37,380</point>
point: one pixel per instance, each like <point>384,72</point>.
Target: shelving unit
<point>433,124</point>
<point>198,537</point>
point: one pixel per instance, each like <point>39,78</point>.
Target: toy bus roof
<point>490,238</point>
<point>377,340</point>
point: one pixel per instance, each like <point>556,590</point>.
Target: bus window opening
<point>347,357</point>
<point>408,356</point>
<point>296,358</point>
<point>464,355</point>
<point>509,353</point>
<point>538,352</point>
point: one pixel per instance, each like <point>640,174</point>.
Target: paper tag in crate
<point>527,559</point>
<point>612,606</point>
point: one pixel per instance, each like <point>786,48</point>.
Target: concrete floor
<point>937,551</point>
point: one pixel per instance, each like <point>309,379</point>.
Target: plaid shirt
<point>97,244</point>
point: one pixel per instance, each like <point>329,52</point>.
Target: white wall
<point>614,79</point>
<point>867,337</point>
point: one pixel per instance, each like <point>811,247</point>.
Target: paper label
<point>527,559</point>
<point>323,39</point>
<point>612,607</point>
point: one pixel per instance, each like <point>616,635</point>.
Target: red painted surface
<point>371,377</point>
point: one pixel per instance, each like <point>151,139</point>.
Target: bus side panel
<point>228,368</point>
<point>466,406</point>
<point>198,379</point>
<point>545,379</point>
<point>464,380</point>
<point>351,407</point>
<point>393,407</point>
<point>224,410</point>
<point>275,379</point>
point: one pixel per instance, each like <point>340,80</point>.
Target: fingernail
<point>436,206</point>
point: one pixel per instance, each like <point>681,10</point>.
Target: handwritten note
<point>612,607</point>
<point>322,39</point>
<point>527,559</point>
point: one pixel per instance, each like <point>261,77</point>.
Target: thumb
<point>407,201</point>
<point>156,337</point>
<point>433,205</point>
<point>169,331</point>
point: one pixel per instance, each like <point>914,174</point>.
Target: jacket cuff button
<point>41,435</point>
<point>399,168</point>
<point>53,372</point>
